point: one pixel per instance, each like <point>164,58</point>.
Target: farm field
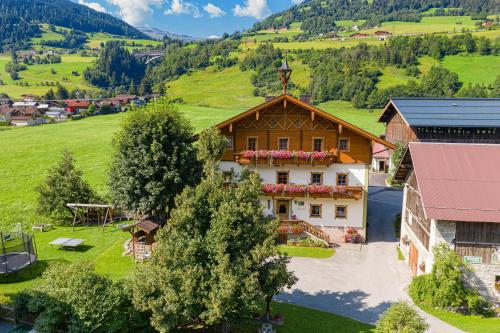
<point>473,68</point>
<point>36,74</point>
<point>428,24</point>
<point>95,40</point>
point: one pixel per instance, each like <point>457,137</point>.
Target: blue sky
<point>191,17</point>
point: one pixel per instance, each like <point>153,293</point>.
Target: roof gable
<point>309,108</point>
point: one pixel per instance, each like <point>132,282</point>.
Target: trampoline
<point>17,251</point>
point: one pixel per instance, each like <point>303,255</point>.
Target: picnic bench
<point>70,243</point>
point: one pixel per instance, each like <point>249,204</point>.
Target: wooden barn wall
<point>398,131</point>
<point>477,239</point>
<point>296,124</point>
<point>420,226</point>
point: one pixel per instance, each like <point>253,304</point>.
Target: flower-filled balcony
<point>285,157</point>
<point>313,191</point>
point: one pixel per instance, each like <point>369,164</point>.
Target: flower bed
<point>305,242</point>
<point>351,236</point>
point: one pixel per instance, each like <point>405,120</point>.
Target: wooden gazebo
<point>143,237</point>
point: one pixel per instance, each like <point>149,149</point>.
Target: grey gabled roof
<point>446,112</point>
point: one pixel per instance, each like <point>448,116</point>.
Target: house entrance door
<point>283,209</point>
<point>413,259</point>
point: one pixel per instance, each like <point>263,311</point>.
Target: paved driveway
<point>359,282</point>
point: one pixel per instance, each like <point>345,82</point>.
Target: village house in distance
<point>452,195</point>
<point>314,165</point>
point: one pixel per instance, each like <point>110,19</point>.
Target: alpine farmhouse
<point>314,166</point>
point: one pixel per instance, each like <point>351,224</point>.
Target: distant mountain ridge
<point>19,20</point>
<point>159,34</point>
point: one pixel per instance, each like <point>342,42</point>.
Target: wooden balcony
<point>313,191</point>
<point>276,157</point>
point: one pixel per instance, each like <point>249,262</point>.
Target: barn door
<point>413,259</point>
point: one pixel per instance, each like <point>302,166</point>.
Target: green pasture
<point>428,24</point>
<point>474,68</point>
<point>94,40</point>
<point>36,74</point>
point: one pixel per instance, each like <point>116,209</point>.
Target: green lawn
<point>36,74</point>
<point>474,68</point>
<point>300,320</point>
<point>472,324</point>
<point>309,252</point>
<point>393,76</point>
<point>103,247</point>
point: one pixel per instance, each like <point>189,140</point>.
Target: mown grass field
<point>428,24</point>
<point>35,75</point>
<point>474,68</point>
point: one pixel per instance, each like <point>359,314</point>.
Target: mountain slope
<point>19,20</point>
<point>319,15</point>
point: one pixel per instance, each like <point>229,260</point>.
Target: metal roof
<point>447,112</point>
<point>458,182</point>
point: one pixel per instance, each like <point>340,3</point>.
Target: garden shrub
<point>401,318</point>
<point>306,242</point>
<point>444,288</point>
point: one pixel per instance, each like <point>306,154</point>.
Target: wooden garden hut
<point>143,237</point>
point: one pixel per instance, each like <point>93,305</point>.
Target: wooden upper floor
<point>286,130</point>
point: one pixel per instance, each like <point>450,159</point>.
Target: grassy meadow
<point>35,75</point>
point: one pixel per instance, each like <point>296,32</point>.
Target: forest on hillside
<point>19,21</point>
<point>319,16</point>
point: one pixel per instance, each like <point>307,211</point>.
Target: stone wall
<point>482,278</point>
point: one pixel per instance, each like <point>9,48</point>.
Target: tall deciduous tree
<point>64,184</point>
<point>154,160</point>
<point>214,260</point>
<point>211,147</point>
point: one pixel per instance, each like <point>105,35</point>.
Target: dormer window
<point>283,144</point>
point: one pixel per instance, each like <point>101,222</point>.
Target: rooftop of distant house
<point>445,112</point>
<point>457,182</point>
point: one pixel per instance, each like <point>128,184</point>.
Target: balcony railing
<point>284,157</point>
<point>313,191</point>
<point>299,226</point>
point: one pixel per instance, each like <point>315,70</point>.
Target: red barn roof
<point>458,182</point>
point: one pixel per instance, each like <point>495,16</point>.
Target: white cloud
<point>135,11</point>
<point>94,5</point>
<point>253,8</point>
<point>213,10</point>
<point>297,2</point>
<point>178,7</point>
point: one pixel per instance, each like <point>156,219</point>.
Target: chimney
<point>306,99</point>
<point>382,136</point>
<point>269,98</point>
